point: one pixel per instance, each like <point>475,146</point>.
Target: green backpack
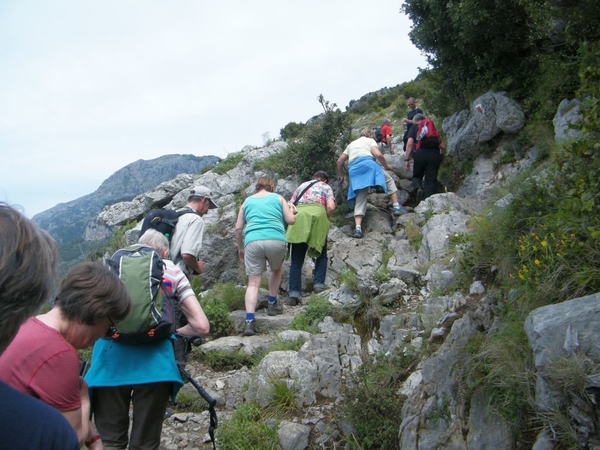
<point>152,317</point>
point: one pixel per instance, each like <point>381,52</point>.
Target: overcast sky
<point>87,87</point>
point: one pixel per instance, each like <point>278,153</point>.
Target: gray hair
<point>384,121</point>
<point>418,117</point>
<point>155,239</point>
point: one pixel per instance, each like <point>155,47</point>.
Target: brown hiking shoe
<point>274,308</point>
<point>250,329</point>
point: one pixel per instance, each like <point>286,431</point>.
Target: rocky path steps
<point>188,430</point>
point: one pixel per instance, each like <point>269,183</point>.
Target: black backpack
<point>164,221</point>
<point>377,134</point>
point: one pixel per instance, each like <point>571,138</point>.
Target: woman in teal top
<point>262,215</point>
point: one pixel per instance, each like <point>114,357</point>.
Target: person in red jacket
<point>386,137</point>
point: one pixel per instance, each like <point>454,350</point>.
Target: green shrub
<point>221,323</point>
<point>317,308</point>
<point>292,130</point>
<point>231,162</point>
<point>316,150</point>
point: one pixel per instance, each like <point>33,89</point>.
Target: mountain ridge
<point>66,222</point>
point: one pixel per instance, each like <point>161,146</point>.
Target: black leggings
<point>427,163</point>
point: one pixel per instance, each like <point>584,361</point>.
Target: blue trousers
<point>297,261</point>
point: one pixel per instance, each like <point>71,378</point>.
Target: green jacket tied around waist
<point>311,227</point>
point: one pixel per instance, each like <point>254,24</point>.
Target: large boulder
<point>490,114</point>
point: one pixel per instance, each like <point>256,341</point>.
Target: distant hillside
<point>66,222</point>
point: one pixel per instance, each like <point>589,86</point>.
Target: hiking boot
<point>398,210</point>
<point>358,234</point>
<point>292,301</point>
<point>319,289</point>
<point>420,195</point>
<point>250,329</point>
<point>274,308</point>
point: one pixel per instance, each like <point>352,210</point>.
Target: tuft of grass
<point>502,366</point>
<point>282,346</point>
<point>413,234</point>
<point>349,278</point>
<point>222,361</point>
<point>189,402</point>
<point>283,400</point>
<point>570,374</point>
<point>317,308</point>
<point>247,430</point>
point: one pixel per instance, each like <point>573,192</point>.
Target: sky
<point>87,87</point>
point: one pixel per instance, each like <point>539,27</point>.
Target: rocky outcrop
<point>490,114</point>
<point>566,120</point>
<point>567,335</point>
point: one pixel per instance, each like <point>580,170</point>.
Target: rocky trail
<point>189,430</point>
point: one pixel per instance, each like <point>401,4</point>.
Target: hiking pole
<point>214,421</point>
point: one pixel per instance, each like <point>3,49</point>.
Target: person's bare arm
<point>197,321</point>
<point>193,262</point>
<point>388,141</point>
<point>330,206</point>
<point>79,418</point>
<point>379,157</point>
<point>340,167</point>
<point>288,215</point>
<point>409,146</point>
<point>239,233</point>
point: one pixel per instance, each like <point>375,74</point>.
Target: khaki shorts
<point>257,253</point>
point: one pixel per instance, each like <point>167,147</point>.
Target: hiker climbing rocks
<point>409,120</point>
<point>363,173</point>
<point>42,360</point>
<point>262,216</point>
<point>315,202</point>
<point>386,137</point>
<point>145,374</point>
<point>189,231</point>
<point>428,151</point>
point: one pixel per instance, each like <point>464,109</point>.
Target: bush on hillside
<point>292,130</point>
<point>317,148</point>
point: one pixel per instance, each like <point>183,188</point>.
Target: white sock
<point>396,204</point>
<point>358,227</point>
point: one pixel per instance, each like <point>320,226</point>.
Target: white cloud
<point>88,87</point>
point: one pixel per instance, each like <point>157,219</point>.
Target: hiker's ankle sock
<point>272,300</point>
<point>249,317</point>
<point>396,205</point>
<point>358,227</point>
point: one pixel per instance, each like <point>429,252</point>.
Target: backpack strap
<point>298,197</point>
<point>186,210</point>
